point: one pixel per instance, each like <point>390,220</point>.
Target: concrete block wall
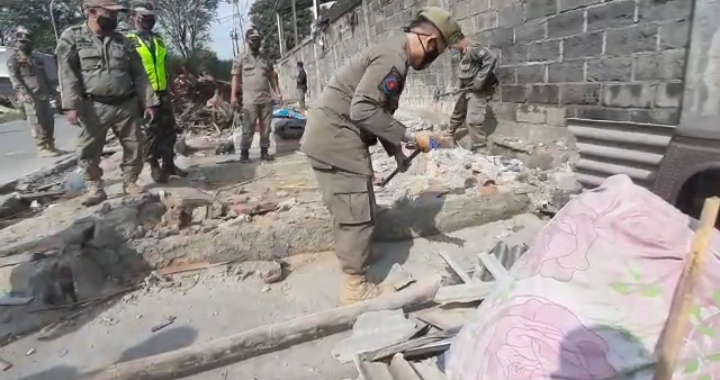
<point>617,60</point>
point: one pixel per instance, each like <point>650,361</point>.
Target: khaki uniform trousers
<point>471,108</point>
<point>125,120</point>
<point>251,114</point>
<point>351,200</point>
<point>41,120</point>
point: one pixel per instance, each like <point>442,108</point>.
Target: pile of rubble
<point>201,102</point>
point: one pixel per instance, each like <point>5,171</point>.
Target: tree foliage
<point>263,19</point>
<point>186,24</point>
<point>35,15</point>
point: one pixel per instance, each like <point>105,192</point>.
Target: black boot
<point>170,169</point>
<point>265,156</point>
<point>158,174</point>
<point>245,156</point>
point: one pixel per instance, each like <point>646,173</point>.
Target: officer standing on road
<point>253,79</point>
<point>477,84</point>
<point>161,132</point>
<point>103,84</point>
<point>354,112</point>
<point>33,91</point>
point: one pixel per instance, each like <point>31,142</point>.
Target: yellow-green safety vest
<point>154,64</point>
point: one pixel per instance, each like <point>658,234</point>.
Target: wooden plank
<point>494,266</point>
<point>475,291</point>
<point>672,338</point>
<point>456,267</point>
<point>202,357</point>
<point>400,369</point>
<point>372,370</point>
<point>409,345</point>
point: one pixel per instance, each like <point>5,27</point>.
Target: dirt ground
<point>216,302</point>
<point>237,222</point>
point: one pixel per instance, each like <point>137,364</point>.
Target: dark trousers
<point>161,132</point>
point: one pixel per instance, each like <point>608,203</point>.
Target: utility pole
<point>234,38</point>
<point>238,15</point>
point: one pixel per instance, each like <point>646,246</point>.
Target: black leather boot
<point>170,169</point>
<point>158,174</point>
<point>245,156</point>
<point>265,156</point>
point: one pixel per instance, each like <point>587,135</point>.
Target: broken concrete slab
<point>375,330</point>
<point>10,205</point>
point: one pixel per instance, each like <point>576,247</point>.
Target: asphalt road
<point>17,148</point>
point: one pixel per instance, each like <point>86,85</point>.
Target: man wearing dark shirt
<point>301,85</point>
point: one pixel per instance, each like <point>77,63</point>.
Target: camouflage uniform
<point>477,84</point>
<point>28,77</point>
<point>103,78</point>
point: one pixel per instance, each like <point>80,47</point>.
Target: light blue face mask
<point>455,52</point>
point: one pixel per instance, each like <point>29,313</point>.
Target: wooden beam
<point>261,340</point>
<point>672,338</point>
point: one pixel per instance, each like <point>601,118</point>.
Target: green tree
<point>263,19</point>
<point>35,15</point>
<point>186,24</point>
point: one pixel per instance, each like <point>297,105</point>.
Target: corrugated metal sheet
<point>611,147</point>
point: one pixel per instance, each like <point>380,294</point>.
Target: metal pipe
<point>52,19</point>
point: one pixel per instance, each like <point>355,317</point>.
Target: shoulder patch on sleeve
<point>391,85</point>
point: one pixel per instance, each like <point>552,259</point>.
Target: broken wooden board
<point>472,292</point>
<point>417,343</point>
<point>456,267</point>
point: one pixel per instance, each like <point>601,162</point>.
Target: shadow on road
<point>161,342</point>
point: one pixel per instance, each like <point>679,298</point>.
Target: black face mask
<point>147,22</point>
<point>428,56</point>
<point>106,23</point>
<point>25,47</point>
<point>255,45</point>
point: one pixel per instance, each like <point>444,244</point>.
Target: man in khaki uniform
<point>103,84</point>
<point>253,79</point>
<point>33,91</point>
<point>354,112</point>
<point>477,84</point>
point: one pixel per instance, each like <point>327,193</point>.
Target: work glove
<point>426,141</point>
<point>403,164</point>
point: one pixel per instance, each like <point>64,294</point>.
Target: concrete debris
<point>373,331</point>
<point>398,278</point>
<point>506,255</point>
<point>272,273</point>
<point>445,318</point>
<point>15,301</point>
<point>465,293</point>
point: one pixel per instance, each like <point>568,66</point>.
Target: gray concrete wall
<point>619,60</point>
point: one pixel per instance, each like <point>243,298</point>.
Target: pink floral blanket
<point>590,297</point>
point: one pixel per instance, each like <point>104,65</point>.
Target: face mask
<point>25,47</point>
<point>255,45</point>
<point>428,56</point>
<point>106,23</point>
<point>147,22</point>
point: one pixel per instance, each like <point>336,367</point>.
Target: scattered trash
<point>170,321</point>
<point>30,352</point>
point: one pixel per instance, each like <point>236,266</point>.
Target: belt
<point>111,100</point>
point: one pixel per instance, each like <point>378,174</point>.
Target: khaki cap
<point>444,22</point>
<point>144,8</point>
<point>110,5</point>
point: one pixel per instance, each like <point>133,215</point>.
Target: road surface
<point>17,148</point>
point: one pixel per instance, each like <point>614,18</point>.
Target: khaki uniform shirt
<point>28,77</point>
<point>256,72</point>
<point>100,66</point>
<point>356,109</point>
<point>477,69</point>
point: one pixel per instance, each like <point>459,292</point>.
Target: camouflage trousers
<point>42,122</point>
<point>125,120</point>
<point>161,132</point>
<point>470,109</point>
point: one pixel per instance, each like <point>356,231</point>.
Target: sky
<point>220,33</point>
